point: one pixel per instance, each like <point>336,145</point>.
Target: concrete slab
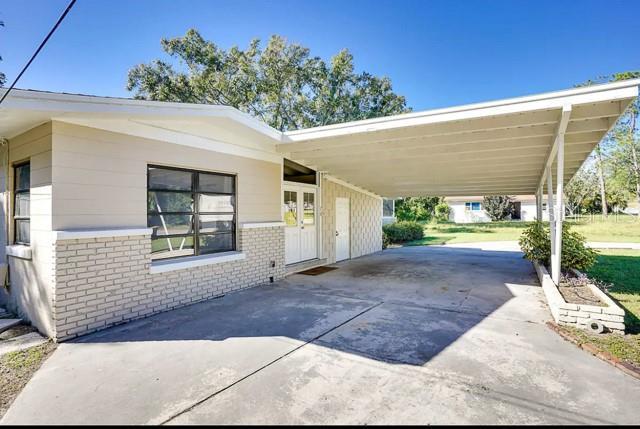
<point>411,335</point>
<point>21,342</point>
<point>148,370</point>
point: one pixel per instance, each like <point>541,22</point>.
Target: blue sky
<point>437,53</point>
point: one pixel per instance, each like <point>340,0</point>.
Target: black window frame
<point>16,192</point>
<point>195,213</point>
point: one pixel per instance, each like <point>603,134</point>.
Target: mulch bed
<point>604,355</point>
<point>579,295</point>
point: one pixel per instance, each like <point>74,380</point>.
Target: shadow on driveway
<point>409,335</point>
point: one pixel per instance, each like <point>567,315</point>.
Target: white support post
<point>559,214</point>
<point>552,225</point>
<point>539,204</point>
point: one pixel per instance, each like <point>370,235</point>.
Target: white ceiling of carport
<point>481,149</point>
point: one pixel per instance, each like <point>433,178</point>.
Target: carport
<point>513,146</point>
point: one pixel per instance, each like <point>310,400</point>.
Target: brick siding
<point>100,282</point>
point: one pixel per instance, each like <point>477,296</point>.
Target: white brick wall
<point>99,282</point>
<point>366,220</point>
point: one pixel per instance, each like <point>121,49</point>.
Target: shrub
<point>442,211</point>
<point>399,232</point>
<point>498,207</point>
<point>536,245</point>
<point>386,241</point>
<point>575,253</point>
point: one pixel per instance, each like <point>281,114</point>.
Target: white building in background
<point>471,209</point>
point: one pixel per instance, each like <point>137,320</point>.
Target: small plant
<point>442,211</point>
<point>399,232</point>
<point>536,244</point>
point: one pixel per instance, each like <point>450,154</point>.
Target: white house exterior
<point>471,209</point>
<point>117,209</point>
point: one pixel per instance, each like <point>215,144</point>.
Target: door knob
<point>337,233</point>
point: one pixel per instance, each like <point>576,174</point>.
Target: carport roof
<point>499,147</point>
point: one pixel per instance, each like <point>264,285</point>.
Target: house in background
<point>471,209</point>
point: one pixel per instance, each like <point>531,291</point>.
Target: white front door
<point>299,205</point>
<point>342,229</point>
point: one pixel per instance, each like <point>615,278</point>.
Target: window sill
<point>19,251</point>
<point>194,261</point>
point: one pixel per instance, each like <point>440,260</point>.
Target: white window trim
<point>252,225</point>
<point>163,266</point>
<point>21,251</point>
<point>99,233</point>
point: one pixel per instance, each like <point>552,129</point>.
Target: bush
<point>399,232</point>
<point>536,245</point>
<point>386,241</point>
<point>442,211</point>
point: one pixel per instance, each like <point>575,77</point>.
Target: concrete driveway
<point>410,335</point>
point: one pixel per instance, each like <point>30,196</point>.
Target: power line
<point>35,54</point>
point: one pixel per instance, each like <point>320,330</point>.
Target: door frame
<point>317,212</point>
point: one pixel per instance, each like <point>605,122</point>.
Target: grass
<point>614,229</point>
<point>621,269</point>
<point>17,368</point>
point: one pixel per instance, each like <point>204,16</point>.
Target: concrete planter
<point>580,315</point>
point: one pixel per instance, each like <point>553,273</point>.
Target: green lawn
<point>615,229</point>
<point>621,268</point>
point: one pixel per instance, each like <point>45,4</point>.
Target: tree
<point>498,207</point>
<point>416,208</point>
<point>282,84</point>
<point>619,152</point>
<point>583,187</point>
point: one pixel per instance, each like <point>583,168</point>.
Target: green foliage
<point>399,232</point>
<point>416,208</point>
<point>575,253</point>
<point>442,211</point>
<point>536,245</point>
<point>282,84</point>
<point>386,241</point>
<point>498,207</point>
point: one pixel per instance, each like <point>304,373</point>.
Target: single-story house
<point>117,209</point>
<point>471,209</point>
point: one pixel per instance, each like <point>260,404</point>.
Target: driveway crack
<point>268,364</point>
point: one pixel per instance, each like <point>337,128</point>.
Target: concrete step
<point>304,265</point>
<point>8,324</point>
<point>4,314</point>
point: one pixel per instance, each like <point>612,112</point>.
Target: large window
<point>191,212</point>
<point>21,203</point>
